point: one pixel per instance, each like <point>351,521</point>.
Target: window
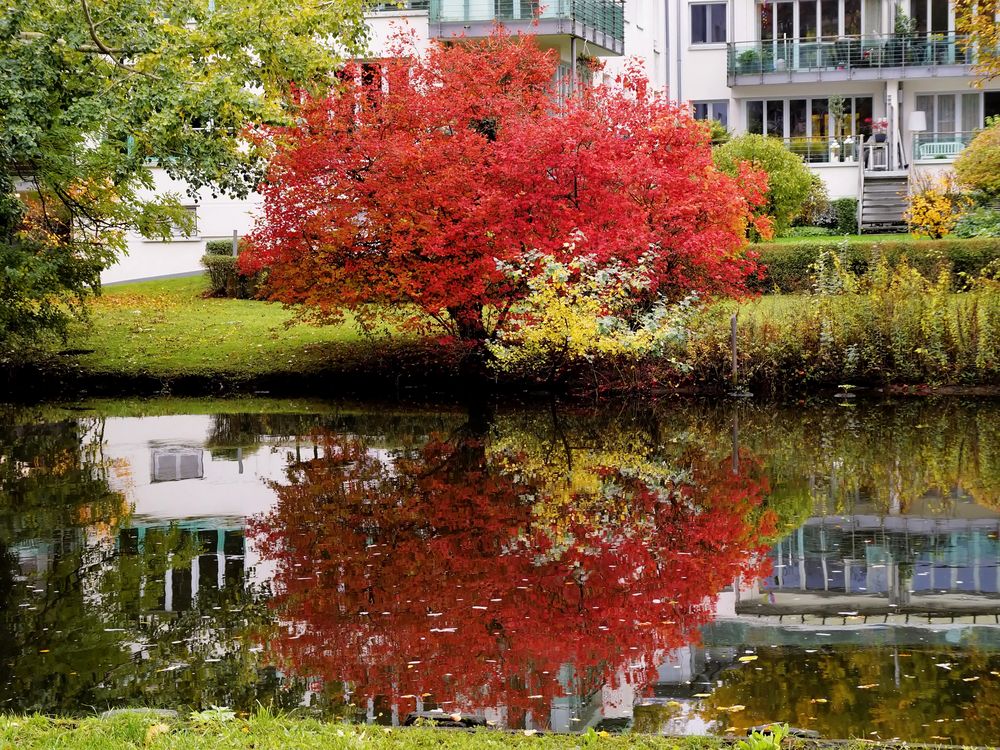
<point>809,127</point>
<point>708,23</point>
<point>712,111</point>
<point>808,19</point>
<point>180,231</point>
<point>952,113</point>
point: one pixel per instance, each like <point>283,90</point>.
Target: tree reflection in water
<point>486,571</point>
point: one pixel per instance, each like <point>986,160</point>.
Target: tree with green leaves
<point>788,178</point>
<point>94,93</point>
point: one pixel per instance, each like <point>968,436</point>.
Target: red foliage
<point>427,575</point>
<point>413,188</point>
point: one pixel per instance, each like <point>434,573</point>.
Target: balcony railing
<point>381,7</point>
<point>824,150</point>
<point>863,57</point>
<point>940,146</point>
<point>601,18</point>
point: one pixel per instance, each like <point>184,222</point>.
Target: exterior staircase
<point>883,201</point>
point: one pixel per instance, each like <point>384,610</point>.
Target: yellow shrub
<point>934,207</point>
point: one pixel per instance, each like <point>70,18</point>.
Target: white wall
<point>217,218</point>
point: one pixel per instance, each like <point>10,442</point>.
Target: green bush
<point>788,178</point>
<point>844,215</point>
<point>979,222</point>
<point>788,267</point>
<point>222,247</point>
<point>809,232</point>
<point>226,280</point>
<point>815,210</point>
<point>978,166</point>
<point>890,324</point>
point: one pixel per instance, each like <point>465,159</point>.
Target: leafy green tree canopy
<point>978,166</point>
<point>95,92</point>
<point>788,178</point>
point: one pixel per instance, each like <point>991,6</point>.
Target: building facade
<point>869,92</point>
<point>828,76</point>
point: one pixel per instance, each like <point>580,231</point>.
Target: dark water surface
<point>690,568</point>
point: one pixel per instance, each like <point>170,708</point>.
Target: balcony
<point>931,147</point>
<point>601,23</point>
<point>863,58</point>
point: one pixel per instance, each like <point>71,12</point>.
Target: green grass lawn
<point>264,731</point>
<point>850,237</point>
<point>169,328</point>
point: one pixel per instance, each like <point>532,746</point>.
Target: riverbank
<point>167,337</point>
<point>266,732</point>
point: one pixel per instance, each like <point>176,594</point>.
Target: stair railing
<point>862,157</point>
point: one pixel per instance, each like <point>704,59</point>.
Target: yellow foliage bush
<point>934,207</point>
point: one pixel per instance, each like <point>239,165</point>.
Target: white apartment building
<point>820,74</point>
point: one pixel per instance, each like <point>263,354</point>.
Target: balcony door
<point>809,20</point>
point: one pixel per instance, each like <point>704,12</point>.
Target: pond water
<point>693,568</point>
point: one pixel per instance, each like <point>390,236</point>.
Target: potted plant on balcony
<point>880,128</point>
<point>748,61</point>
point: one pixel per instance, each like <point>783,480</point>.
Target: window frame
<point>706,7</point>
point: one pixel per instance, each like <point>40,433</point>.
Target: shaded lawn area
<point>168,327</point>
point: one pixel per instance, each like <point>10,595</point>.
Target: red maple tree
<point>429,575</point>
<point>412,189</point>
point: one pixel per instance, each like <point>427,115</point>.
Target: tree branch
<point>104,49</point>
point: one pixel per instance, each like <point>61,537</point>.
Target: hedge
<point>222,247</point>
<point>225,279</point>
<point>788,266</point>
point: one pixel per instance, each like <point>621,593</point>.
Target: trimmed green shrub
<point>845,215</point>
<point>979,222</point>
<point>788,178</point>
<point>809,232</point>
<point>226,281</point>
<point>788,267</point>
<point>222,247</point>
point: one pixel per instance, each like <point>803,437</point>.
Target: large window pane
<point>720,111</point>
<point>918,11</point>
<point>820,118</point>
<point>785,28</point>
<point>808,11</point>
<point>991,104</point>
<point>831,18</point>
<point>939,16</point>
<point>776,118</point>
<point>699,24</point>
<point>972,118</point>
<point>765,12</point>
<point>861,124</point>
<point>755,117</point>
<point>946,113</point>
<point>852,17</point>
<point>797,118</point>
<point>718,23</point>
<point>925,104</point>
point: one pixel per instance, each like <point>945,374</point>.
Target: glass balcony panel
<point>941,146</point>
<point>848,53</point>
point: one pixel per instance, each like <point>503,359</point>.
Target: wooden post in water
<point>732,344</point>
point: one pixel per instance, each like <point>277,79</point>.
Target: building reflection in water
<point>858,592</point>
